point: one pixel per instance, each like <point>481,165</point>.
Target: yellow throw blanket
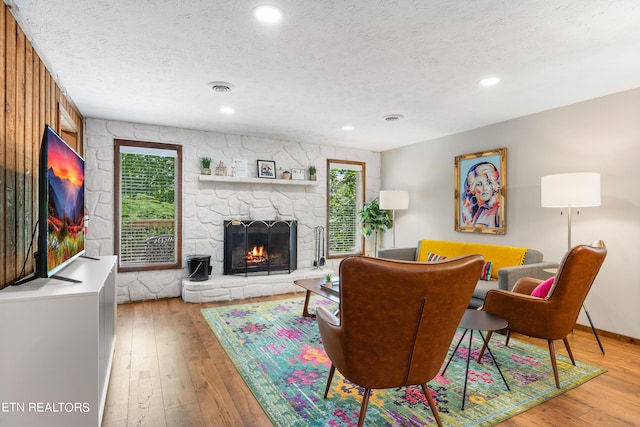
<point>501,256</point>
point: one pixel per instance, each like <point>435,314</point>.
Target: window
<point>345,196</point>
<point>148,211</point>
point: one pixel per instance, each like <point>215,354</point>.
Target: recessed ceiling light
<point>489,81</point>
<point>348,128</point>
<point>393,117</point>
<point>268,14</point>
<point>221,87</point>
<point>227,110</point>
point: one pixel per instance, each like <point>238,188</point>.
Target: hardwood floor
<point>169,370</point>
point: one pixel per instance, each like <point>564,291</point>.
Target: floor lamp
<point>393,200</point>
<point>572,190</point>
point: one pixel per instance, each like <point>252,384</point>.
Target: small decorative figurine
<point>221,169</point>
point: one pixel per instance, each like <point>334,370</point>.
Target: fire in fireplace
<point>256,256</point>
<point>260,247</point>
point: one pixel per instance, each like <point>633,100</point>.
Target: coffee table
<point>478,320</point>
<point>314,286</point>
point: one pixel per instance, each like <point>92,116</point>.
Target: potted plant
<point>286,175</point>
<point>327,280</point>
<point>205,163</point>
<point>312,173</point>
<point>374,220</point>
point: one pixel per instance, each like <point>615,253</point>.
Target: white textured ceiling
<point>334,62</point>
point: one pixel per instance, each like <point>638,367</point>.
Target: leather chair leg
<point>506,341</point>
<point>566,344</point>
<point>432,404</point>
<point>331,372</point>
<point>363,408</point>
<point>552,356</point>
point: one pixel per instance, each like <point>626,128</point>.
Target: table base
<point>466,373</point>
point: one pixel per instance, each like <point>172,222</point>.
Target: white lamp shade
<point>394,199</point>
<point>570,189</point>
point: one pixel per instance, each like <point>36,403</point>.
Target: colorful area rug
<point>280,356</point>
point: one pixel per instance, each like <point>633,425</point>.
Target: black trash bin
<point>198,266</point>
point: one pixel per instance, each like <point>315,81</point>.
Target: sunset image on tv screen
<point>65,224</point>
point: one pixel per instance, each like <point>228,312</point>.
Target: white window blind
<point>148,207</point>
<point>345,196</point>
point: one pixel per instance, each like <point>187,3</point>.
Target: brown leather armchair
<point>554,317</point>
<point>397,320</point>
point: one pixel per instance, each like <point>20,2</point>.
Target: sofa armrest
<point>401,254</point>
<point>508,276</point>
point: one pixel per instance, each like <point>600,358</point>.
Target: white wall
<point>600,135</point>
<point>207,204</point>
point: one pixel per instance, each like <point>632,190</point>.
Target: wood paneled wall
<point>31,99</point>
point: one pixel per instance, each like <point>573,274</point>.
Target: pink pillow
<point>543,288</point>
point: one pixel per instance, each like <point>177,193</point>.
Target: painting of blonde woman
<point>480,191</point>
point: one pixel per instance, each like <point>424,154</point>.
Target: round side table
<point>477,320</point>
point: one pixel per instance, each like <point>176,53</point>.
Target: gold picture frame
<point>480,192</point>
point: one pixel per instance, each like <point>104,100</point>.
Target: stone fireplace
<point>260,247</point>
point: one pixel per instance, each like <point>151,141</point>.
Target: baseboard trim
<point>608,334</point>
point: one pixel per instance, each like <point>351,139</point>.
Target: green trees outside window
<point>345,194</point>
<point>149,215</point>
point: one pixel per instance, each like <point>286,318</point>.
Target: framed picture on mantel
<point>239,168</point>
<point>480,192</point>
<point>266,169</point>
<point>297,174</point>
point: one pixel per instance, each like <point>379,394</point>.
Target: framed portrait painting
<point>480,192</point>
<point>266,169</point>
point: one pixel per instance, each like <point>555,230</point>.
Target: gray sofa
<point>532,266</point>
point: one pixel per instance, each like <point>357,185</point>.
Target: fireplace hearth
<point>260,247</point>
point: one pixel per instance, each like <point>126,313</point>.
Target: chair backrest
<point>398,318</point>
<point>577,272</point>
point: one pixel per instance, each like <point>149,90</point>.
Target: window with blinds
<point>148,209</point>
<point>345,196</point>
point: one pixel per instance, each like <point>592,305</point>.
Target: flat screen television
<point>60,207</point>
<point>61,212</point>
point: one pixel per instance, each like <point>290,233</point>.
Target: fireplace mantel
<point>238,180</point>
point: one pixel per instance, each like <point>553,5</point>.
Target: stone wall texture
<point>207,204</point>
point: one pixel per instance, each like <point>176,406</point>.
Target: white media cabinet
<point>56,346</point>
